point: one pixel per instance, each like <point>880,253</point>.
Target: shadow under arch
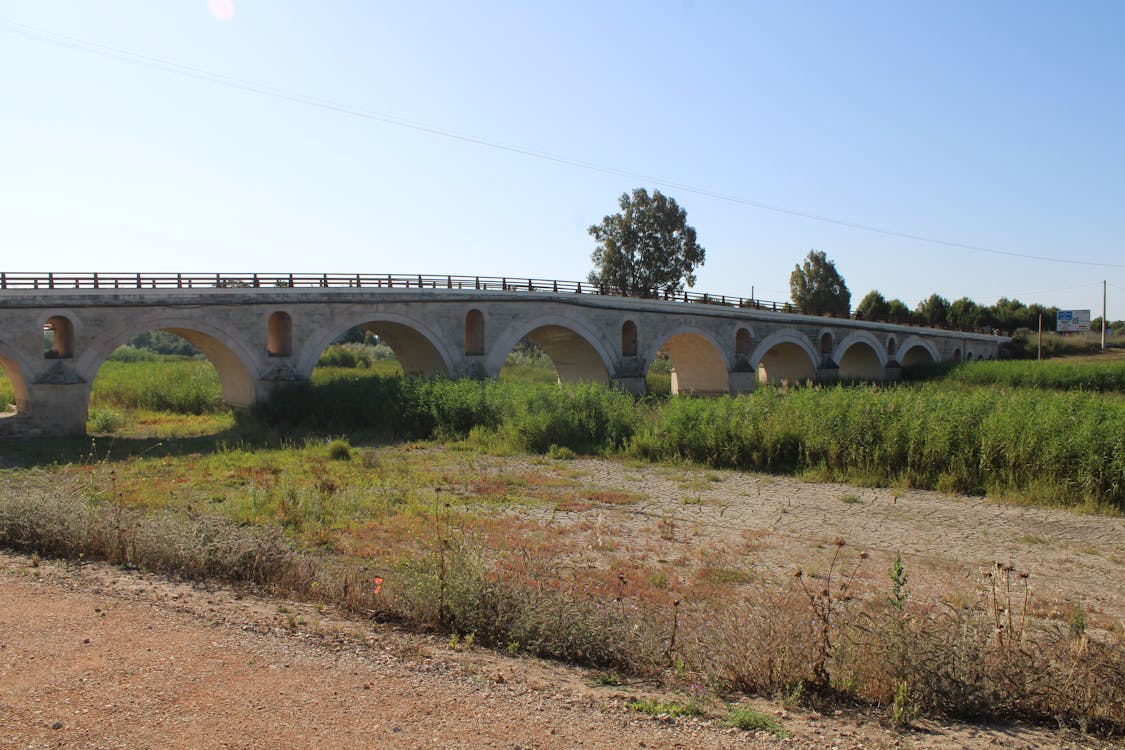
<point>860,356</point>
<point>578,353</point>
<point>230,360</point>
<point>917,351</point>
<point>786,355</point>
<point>698,364</point>
<point>419,350</point>
<point>12,365</point>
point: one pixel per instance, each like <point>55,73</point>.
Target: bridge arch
<point>279,334</point>
<point>786,355</point>
<point>578,352</point>
<point>232,360</point>
<point>418,348</point>
<point>861,357</point>
<point>698,363</point>
<point>918,351</point>
<point>17,373</point>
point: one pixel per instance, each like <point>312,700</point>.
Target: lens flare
<point>222,9</point>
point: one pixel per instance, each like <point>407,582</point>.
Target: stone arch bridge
<point>262,331</point>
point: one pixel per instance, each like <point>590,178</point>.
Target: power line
<point>1013,295</point>
<point>74,43</point>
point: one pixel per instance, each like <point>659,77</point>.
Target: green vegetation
<point>1032,430</point>
<point>7,392</point>
<point>167,383</point>
<point>1104,375</point>
<point>747,719</point>
<point>675,709</point>
<point>426,536</point>
<point>1057,448</point>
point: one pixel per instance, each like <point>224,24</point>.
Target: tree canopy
<point>647,249</point>
<point>817,287</point>
<point>873,306</point>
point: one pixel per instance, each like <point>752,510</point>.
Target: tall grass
<point>167,383</point>
<point>7,392</point>
<point>1058,448</point>
<point>1056,374</point>
<point>1063,449</point>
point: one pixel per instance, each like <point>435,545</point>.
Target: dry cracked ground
<point>93,656</point>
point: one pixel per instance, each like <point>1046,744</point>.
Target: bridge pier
<point>742,382</point>
<point>632,384</point>
<point>56,409</point>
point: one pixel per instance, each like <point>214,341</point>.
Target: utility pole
<point>1105,322</point>
<point>1040,336</point>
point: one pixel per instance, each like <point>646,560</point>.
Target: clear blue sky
<point>996,124</point>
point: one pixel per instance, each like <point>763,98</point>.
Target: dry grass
<point>295,522</point>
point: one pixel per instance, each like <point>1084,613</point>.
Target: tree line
<point>648,249</point>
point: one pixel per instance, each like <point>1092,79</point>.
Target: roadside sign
<point>1072,320</point>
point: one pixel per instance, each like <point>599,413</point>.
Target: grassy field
<point>1103,373</point>
<point>421,525</point>
<point>1037,432</point>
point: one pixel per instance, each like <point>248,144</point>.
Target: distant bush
<point>162,342</point>
<point>133,354</point>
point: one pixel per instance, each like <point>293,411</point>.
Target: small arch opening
<point>59,335</point>
<point>969,357</point>
<point>826,344</point>
<point>956,355</point>
<point>280,339</point>
<point>628,339</point>
<point>742,343</point>
<point>891,346</point>
<point>474,333</point>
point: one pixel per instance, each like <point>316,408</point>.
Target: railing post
<point>255,281</point>
<point>478,281</point>
<point>555,286</point>
<point>95,279</point>
<point>448,282</point>
<point>358,281</point>
<point>50,281</point>
<point>579,290</point>
<point>218,280</point>
<point>3,280</point>
<point>503,283</point>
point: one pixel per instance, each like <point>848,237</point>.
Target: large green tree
<point>934,310</point>
<point>817,288</point>
<point>647,249</point>
<point>873,306</point>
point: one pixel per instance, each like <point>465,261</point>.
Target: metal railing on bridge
<point>354,281</point>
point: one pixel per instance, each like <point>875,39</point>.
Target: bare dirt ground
<point>93,656</point>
